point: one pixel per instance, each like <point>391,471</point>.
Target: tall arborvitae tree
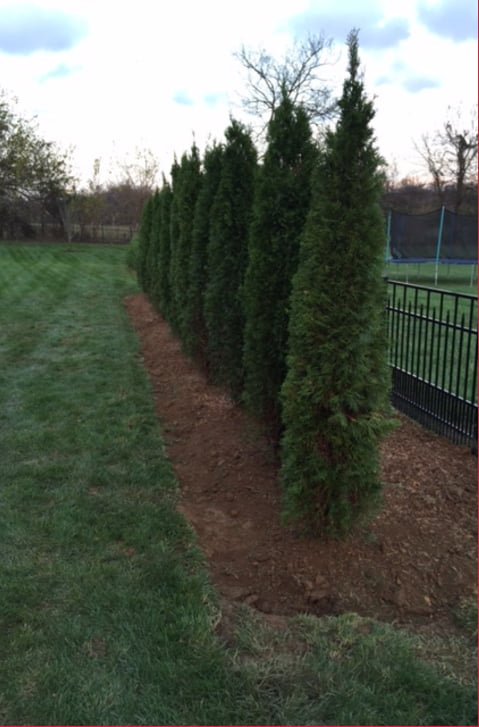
<point>144,240</point>
<point>227,258</point>
<point>196,342</point>
<point>174,237</point>
<point>153,248</point>
<point>281,202</point>
<point>186,189</point>
<point>336,390</point>
<point>163,293</point>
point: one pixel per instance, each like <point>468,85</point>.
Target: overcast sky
<point>106,77</point>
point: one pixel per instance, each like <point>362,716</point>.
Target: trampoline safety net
<point>440,236</point>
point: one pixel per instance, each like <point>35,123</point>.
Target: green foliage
<point>144,242</point>
<point>31,170</point>
<point>196,341</point>
<point>174,237</point>
<point>131,257</point>
<point>162,290</point>
<point>337,383</point>
<point>281,203</point>
<point>153,246</point>
<point>185,192</point>
<point>30,167</point>
<point>227,258</point>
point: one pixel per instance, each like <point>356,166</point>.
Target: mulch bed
<point>413,564</point>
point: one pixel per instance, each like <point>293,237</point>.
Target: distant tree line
<point>449,156</point>
<point>414,196</point>
<point>270,273</point>
<point>34,173</point>
<point>39,196</point>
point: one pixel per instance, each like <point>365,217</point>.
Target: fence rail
<point>114,234</point>
<point>433,357</point>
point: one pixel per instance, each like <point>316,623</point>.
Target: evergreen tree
<point>163,293</point>
<point>196,342</point>
<point>336,389</point>
<point>174,238</point>
<point>144,239</point>
<point>153,247</point>
<point>187,186</point>
<point>281,202</point>
<point>227,258</point>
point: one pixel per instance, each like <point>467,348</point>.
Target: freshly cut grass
<point>106,612</point>
<point>104,604</point>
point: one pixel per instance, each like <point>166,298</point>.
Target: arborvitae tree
<point>144,238</point>
<point>227,258</point>
<point>163,293</point>
<point>336,390</point>
<point>174,237</point>
<point>153,248</point>
<point>185,192</point>
<point>196,342</point>
<point>281,202</point>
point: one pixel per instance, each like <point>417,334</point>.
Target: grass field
<point>458,278</point>
<point>106,612</point>
<point>433,334</point>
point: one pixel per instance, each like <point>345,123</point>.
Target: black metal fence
<point>433,356</point>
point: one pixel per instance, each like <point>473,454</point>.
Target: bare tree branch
<point>295,76</point>
<point>450,155</point>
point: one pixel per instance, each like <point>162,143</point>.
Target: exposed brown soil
<point>413,564</point>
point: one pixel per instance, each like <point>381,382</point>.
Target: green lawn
<point>458,278</point>
<point>434,335</point>
<point>106,612</point>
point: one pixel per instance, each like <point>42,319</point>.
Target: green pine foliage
<point>153,247</point>
<point>227,258</point>
<point>174,238</point>
<point>144,239</point>
<point>196,341</point>
<point>336,390</point>
<point>163,292</point>
<point>281,203</point>
<point>186,189</point>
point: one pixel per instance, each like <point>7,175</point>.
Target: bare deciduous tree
<point>141,170</point>
<point>450,155</point>
<point>295,76</point>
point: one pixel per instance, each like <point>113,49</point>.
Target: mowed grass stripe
<point>28,284</point>
<point>106,612</point>
<point>104,601</point>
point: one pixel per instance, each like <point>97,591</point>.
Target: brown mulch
<point>413,564</point>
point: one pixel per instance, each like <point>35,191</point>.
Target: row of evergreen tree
<point>271,275</point>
